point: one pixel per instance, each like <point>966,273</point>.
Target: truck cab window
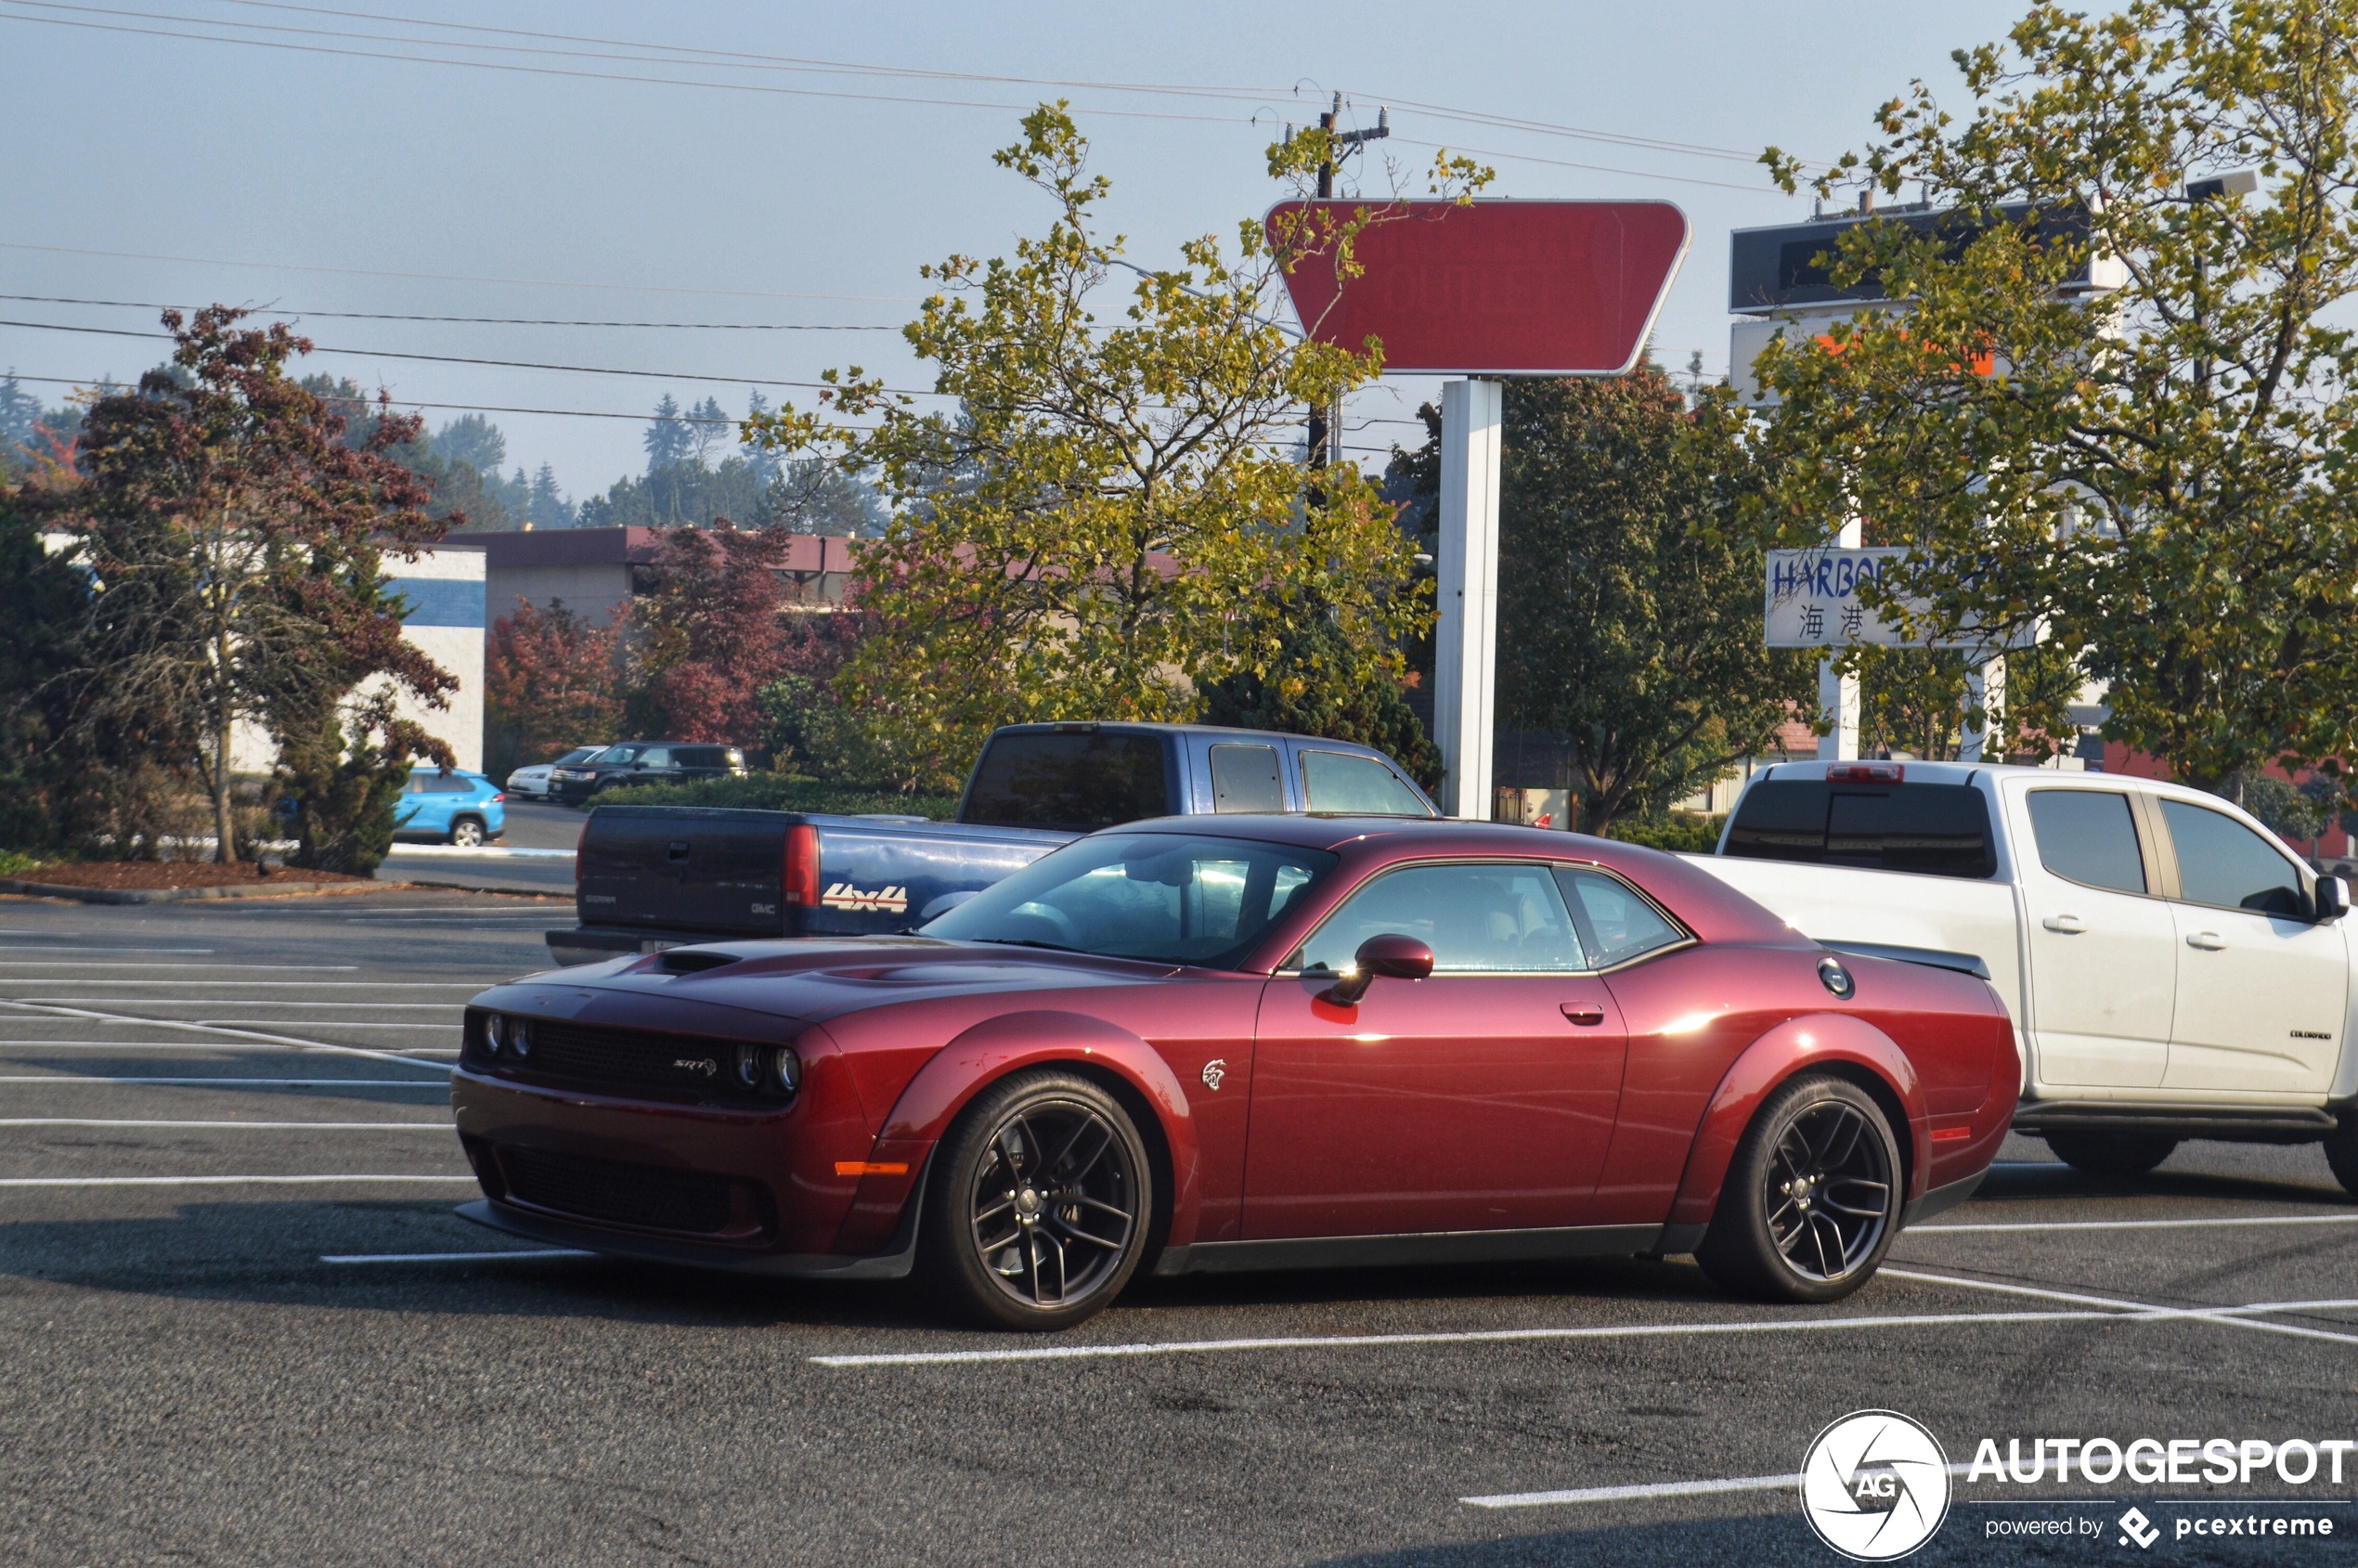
<point>2225,864</point>
<point>1244,778</point>
<point>1339,780</point>
<point>2088,837</point>
<point>1077,782</point>
<point>1942,829</point>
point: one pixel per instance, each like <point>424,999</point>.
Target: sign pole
<point>1466,662</point>
<point>1837,694</point>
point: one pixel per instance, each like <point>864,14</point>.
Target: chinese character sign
<point>1814,603</point>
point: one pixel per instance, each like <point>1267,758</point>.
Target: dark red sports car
<point>1289,1041</point>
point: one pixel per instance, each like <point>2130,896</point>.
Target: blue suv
<point>454,807</point>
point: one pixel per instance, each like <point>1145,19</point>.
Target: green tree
<point>1629,596</point>
<point>234,543</point>
<point>1319,682</point>
<point>2160,476</point>
<point>1097,529</point>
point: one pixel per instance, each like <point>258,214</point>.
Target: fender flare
<point>1813,1040</point>
<point>1012,1042</point>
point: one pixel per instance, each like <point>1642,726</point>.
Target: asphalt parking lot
<point>242,1326</point>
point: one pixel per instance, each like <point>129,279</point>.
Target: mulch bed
<point>175,873</point>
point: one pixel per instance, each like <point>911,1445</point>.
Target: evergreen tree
<point>666,439</point>
<point>710,430</point>
<point>546,507</point>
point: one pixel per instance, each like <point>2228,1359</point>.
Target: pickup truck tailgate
<point>699,867</point>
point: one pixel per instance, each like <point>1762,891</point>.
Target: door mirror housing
<point>2333,899</point>
<point>1391,955</point>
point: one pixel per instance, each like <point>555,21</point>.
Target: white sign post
<point>1465,666</point>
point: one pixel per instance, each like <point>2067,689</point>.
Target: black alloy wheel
<point>1812,1197</point>
<point>1039,1204</point>
<point>2111,1154</point>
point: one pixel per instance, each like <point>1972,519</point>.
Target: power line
<point>742,60</point>
<point>1761,189</point>
<point>467,321</point>
<point>452,277</point>
<point>509,364</point>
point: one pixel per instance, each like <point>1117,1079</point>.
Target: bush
<point>15,864</point>
<point>782,792</point>
<point>1680,832</point>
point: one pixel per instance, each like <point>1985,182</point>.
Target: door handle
<point>2210,941</point>
<point>2069,925</point>
<point>1588,1015</point>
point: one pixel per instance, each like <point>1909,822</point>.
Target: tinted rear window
<point>1080,782</point>
<point>1940,829</point>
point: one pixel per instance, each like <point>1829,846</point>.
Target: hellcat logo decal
<point>843,895</point>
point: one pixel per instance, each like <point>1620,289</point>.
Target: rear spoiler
<point>1931,957</point>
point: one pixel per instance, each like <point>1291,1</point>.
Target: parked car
<point>451,807</point>
<point>2174,971</point>
<point>532,783</point>
<point>653,876</point>
<point>1452,1041</point>
<point>643,762</point>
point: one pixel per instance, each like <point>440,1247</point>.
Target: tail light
<point>1864,772</point>
<point>802,865</point>
<point>498,798</point>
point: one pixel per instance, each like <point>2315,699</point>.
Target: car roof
<point>1143,726</point>
<point>1713,910</point>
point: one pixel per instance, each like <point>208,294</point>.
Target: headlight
<point>749,1065</point>
<point>519,1036</point>
<point>789,1070</point>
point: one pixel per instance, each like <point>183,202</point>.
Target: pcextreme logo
<point>1876,1485</point>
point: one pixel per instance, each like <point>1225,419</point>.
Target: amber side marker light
<point>872,1167</point>
<point>1950,1134</point>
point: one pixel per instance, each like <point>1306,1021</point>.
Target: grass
<point>13,864</point>
<point>780,791</point>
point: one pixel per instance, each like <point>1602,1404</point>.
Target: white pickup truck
<point>2174,971</point>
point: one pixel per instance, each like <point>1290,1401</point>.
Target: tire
<point>2111,1154</point>
<point>1825,1241</point>
<point>1000,1247</point>
<point>467,833</point>
<point>2342,1153</point>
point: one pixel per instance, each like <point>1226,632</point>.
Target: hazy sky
<point>809,197</point>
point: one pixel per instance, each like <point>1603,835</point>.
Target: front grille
<point>645,1196</point>
<point>686,1067</point>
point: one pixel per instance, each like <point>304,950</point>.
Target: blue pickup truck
<point>649,877</point>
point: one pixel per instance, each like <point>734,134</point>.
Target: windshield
<point>1166,898</point>
<point>619,754</point>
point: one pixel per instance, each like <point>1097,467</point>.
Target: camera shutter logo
<point>1876,1485</point>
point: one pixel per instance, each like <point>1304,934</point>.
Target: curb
<point>177,895</point>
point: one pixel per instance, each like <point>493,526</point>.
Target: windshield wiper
<point>1025,941</point>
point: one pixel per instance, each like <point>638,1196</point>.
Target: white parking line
<point>319,1023</point>
<point>209,968</point>
<point>21,947</point>
<point>2239,1316</point>
<point>6,1044</point>
<point>241,1126</point>
<point>79,1079</point>
<point>2141,1224</point>
<point>241,1002</point>
<point>452,1257</point>
<point>53,1010</point>
<point>213,1181</point>
<point>277,985</point>
<point>1473,1335</point>
<point>1659,1489</point>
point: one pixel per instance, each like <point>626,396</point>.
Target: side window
<point>1615,924</point>
<point>656,757</point>
<point>448,784</point>
<point>2089,837</point>
<point>1339,780</point>
<point>2225,864</point>
<point>1478,920</point>
<point>1244,778</point>
<point>417,782</point>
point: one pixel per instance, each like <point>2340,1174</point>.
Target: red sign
<point>1502,288</point>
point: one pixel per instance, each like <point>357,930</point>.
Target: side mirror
<point>1394,957</point>
<point>2333,899</point>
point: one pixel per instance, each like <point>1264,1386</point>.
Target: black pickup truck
<point>649,877</point>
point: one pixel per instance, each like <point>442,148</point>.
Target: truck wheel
<point>1812,1197</point>
<point>467,833</point>
<point>2342,1153</point>
<point>1039,1205</point>
<point>2111,1154</point>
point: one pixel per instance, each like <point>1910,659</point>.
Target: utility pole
<point>1325,421</point>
